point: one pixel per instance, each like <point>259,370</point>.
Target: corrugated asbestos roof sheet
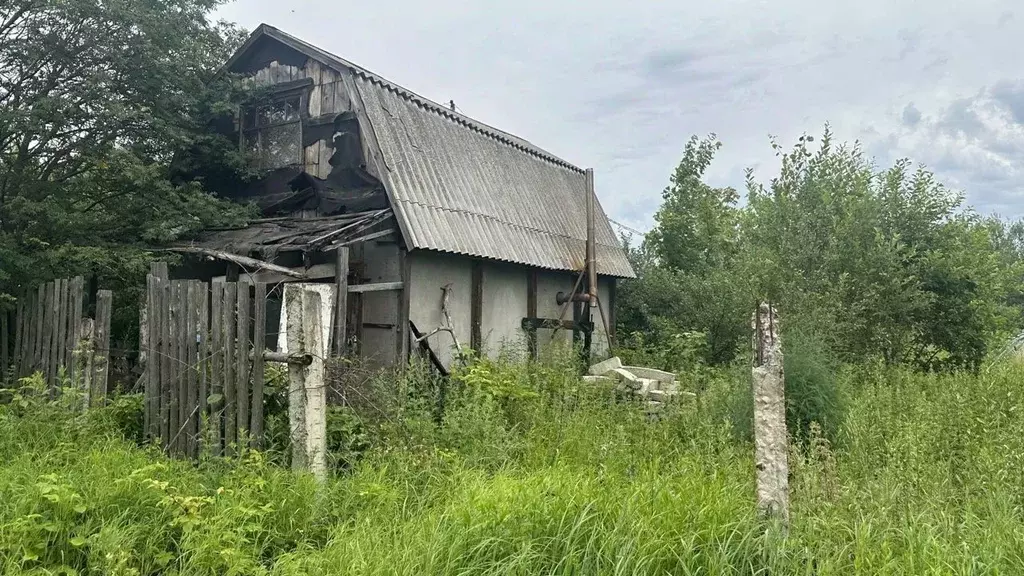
<point>464,187</point>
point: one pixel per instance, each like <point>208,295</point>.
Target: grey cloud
<point>911,115</point>
<point>1011,96</point>
<point>622,89</point>
<point>960,118</point>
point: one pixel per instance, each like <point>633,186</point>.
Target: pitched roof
<point>458,185</point>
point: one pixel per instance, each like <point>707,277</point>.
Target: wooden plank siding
<point>329,94</point>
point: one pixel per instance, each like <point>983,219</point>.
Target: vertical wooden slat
<point>610,306</point>
<point>242,359</point>
<point>183,366</point>
<point>166,359</point>
<point>49,347</point>
<point>204,363</point>
<point>340,301</point>
<point>62,325</point>
<point>476,307</point>
<point>5,344</point>
<point>174,311</point>
<point>259,342</point>
<point>19,338</point>
<point>40,327</point>
<point>216,367</point>
<point>228,311</point>
<point>29,345</point>
<point>175,368</point>
<point>75,306</point>
<point>151,402</point>
<point>531,311</point>
<point>86,359</point>
<point>104,308</point>
<point>192,406</point>
<point>355,348</point>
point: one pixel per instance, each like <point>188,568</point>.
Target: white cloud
<point>621,87</point>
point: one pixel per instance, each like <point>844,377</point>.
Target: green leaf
<point>77,541</point>
<point>215,399</point>
<point>81,508</point>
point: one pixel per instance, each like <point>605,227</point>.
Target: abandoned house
<point>433,227</point>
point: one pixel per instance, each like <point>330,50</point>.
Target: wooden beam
<point>476,295</point>
<point>613,282</point>
<point>340,301</point>
<point>378,287</point>
<point>240,260</point>
<point>259,341</point>
<point>554,323</point>
<point>104,308</point>
<point>374,217</point>
<point>404,305</point>
<point>531,311</point>
<point>365,238</point>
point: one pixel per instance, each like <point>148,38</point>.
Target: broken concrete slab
<point>599,380</point>
<point>652,373</point>
<point>602,368</point>
<point>624,376</point>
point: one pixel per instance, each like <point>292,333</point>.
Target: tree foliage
<point>95,100</point>
<point>885,264</point>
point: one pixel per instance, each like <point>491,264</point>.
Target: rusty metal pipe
<point>591,240</point>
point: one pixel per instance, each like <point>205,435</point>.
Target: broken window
<point>272,133</point>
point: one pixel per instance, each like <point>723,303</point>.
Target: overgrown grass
<point>926,476</point>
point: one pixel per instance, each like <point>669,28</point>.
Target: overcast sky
<point>620,86</point>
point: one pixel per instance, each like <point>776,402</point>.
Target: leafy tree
<point>885,264</point>
<point>95,99</point>
<point>686,267</point>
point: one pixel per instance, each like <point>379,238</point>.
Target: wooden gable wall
<point>332,93</point>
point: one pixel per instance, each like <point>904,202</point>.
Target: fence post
<point>242,370</point>
<point>307,398</point>
<point>149,337</point>
<point>101,341</point>
<point>85,359</point>
<point>76,290</point>
<point>216,406</point>
<point>259,342</point>
<point>771,440</point>
<point>5,345</point>
<point>228,310</point>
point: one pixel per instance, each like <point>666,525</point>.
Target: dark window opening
<point>272,133</point>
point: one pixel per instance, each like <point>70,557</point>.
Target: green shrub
<point>812,391</point>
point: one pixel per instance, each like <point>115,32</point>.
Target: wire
<point>629,228</point>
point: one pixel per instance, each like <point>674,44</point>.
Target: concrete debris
<point>602,368</point>
<point>656,386</point>
<point>659,375</point>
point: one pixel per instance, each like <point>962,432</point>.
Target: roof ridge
<point>498,134</point>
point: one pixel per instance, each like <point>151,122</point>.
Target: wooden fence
<point>203,344</point>
<point>52,337</point>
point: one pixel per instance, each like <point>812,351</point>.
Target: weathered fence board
<point>204,364</point>
<point>166,360</point>
<point>242,358</point>
<point>259,341</point>
<point>101,342</point>
<point>5,344</point>
<point>228,311</point>
<point>147,345</point>
<point>45,330</point>
<point>216,366</point>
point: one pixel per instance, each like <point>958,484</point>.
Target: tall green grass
<point>924,475</point>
